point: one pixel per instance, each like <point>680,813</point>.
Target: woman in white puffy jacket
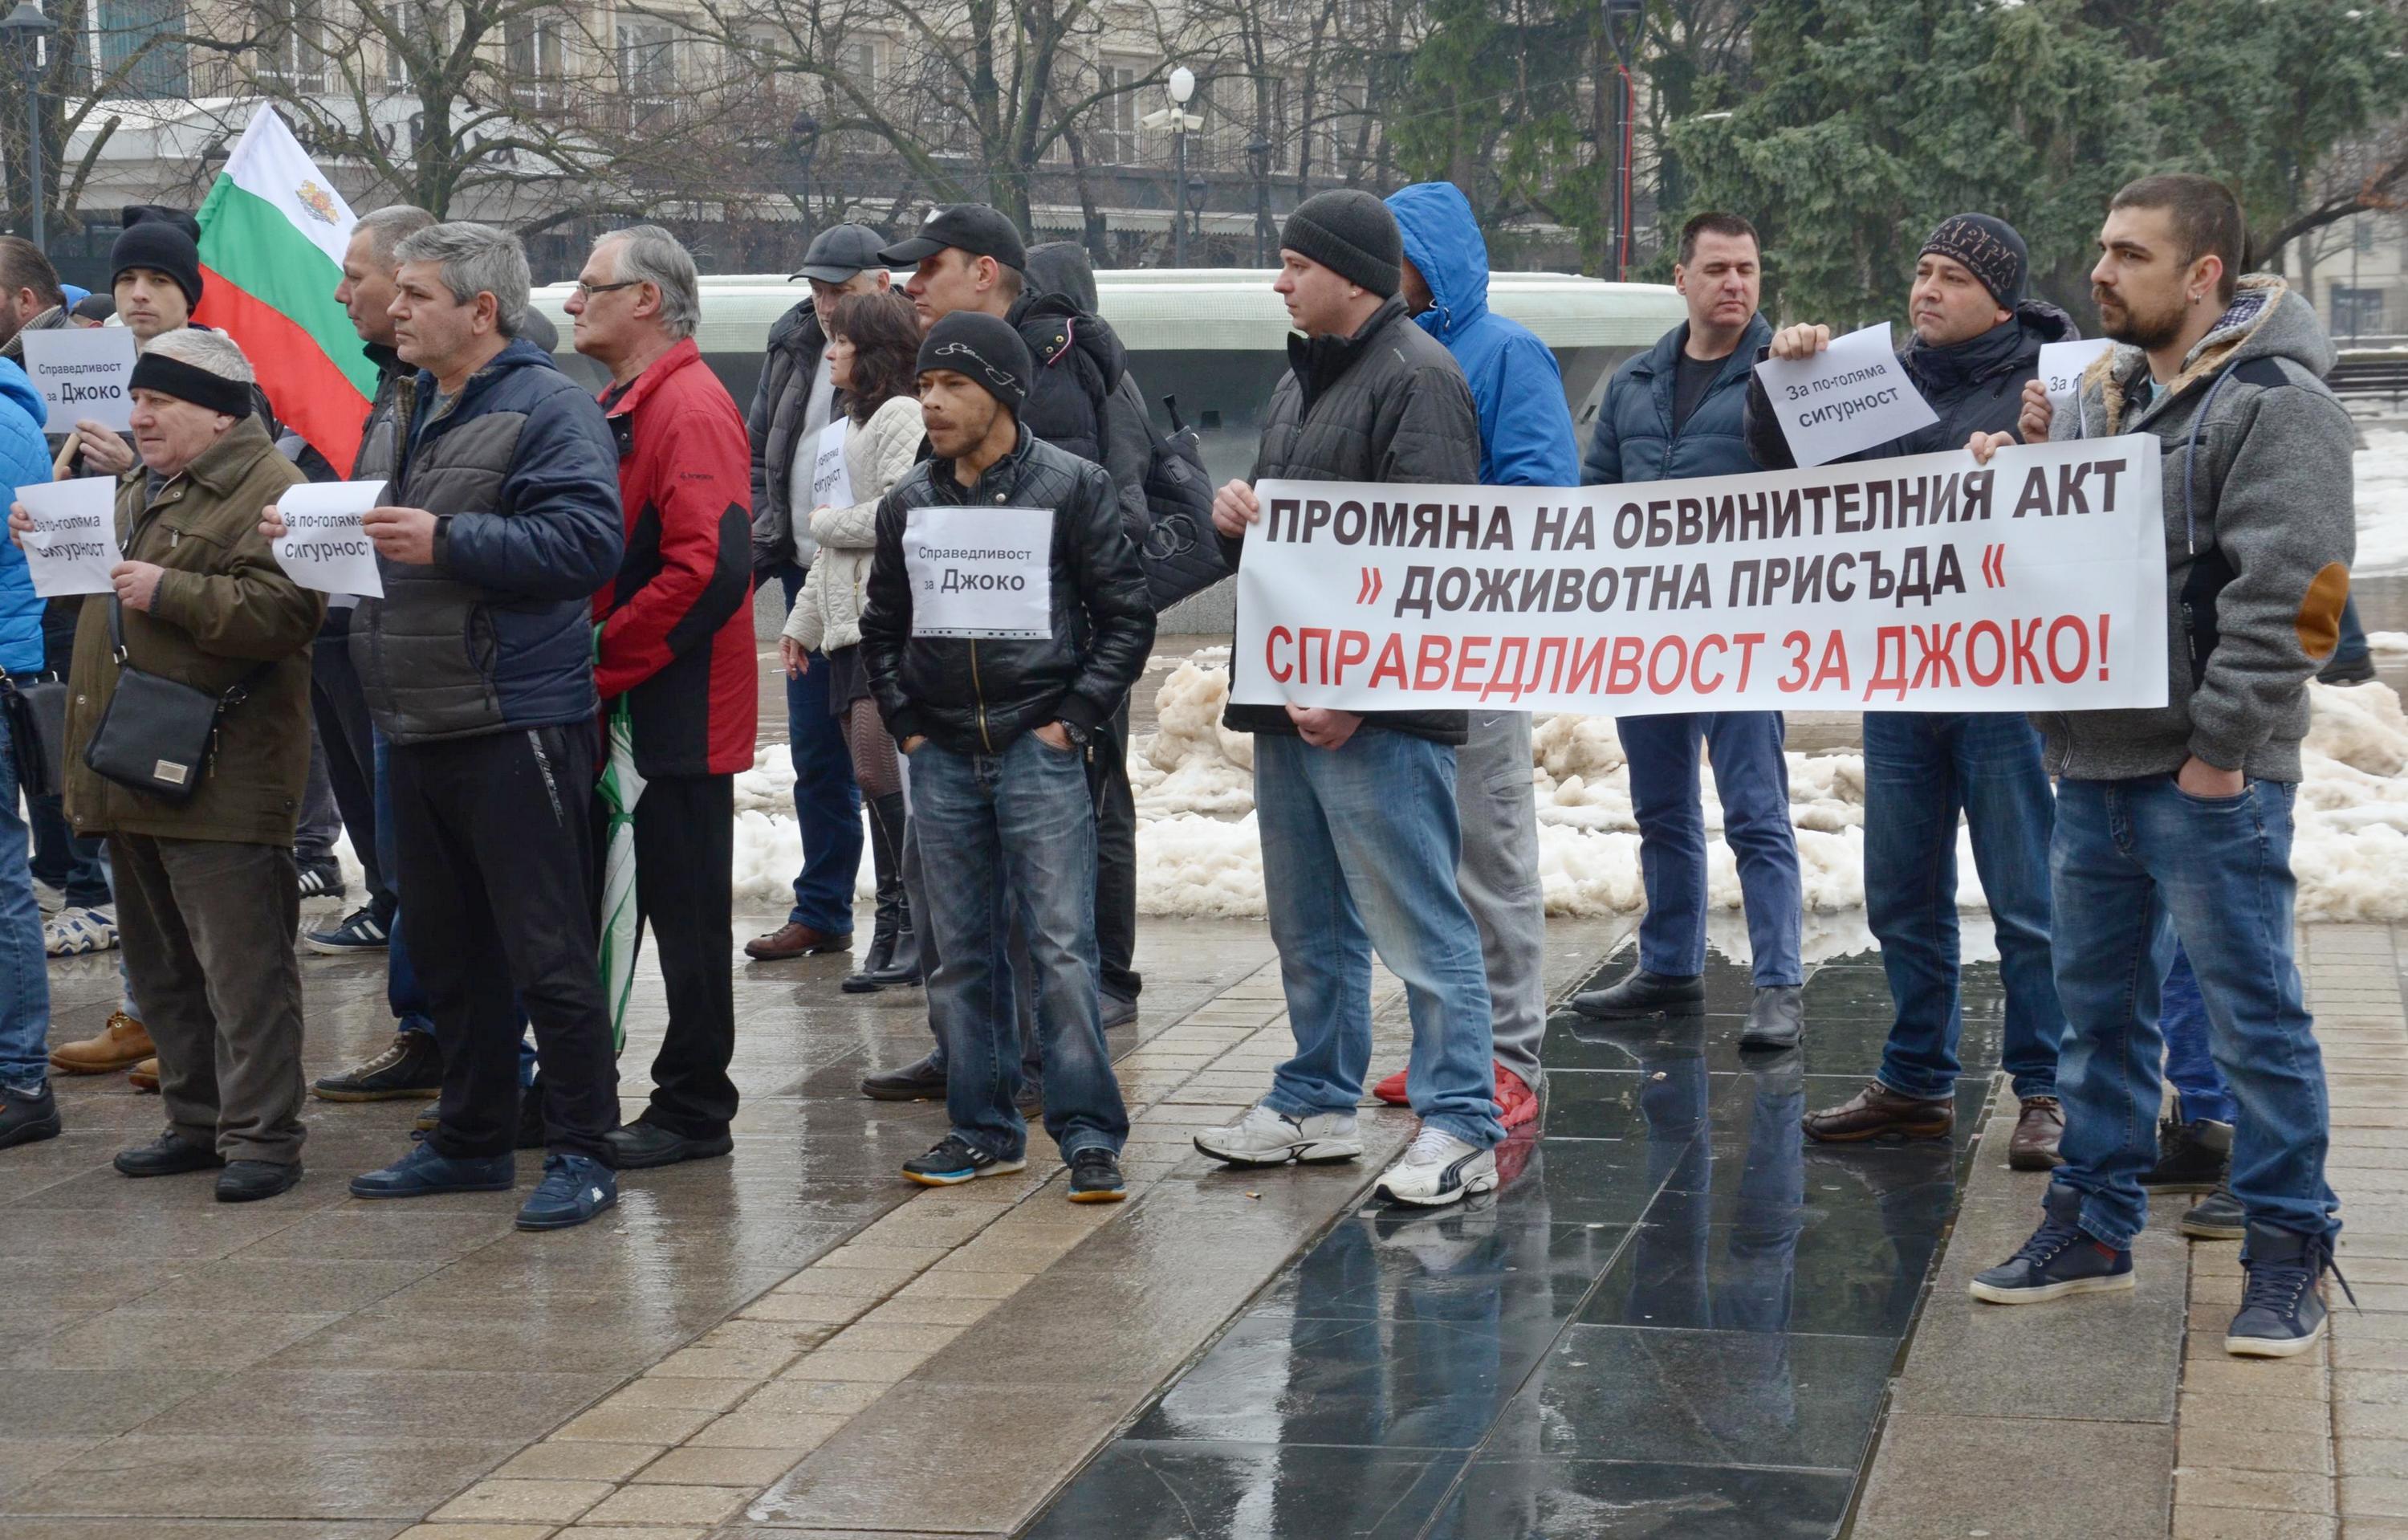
<point>873,350</point>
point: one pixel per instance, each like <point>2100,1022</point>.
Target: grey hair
<point>651,255</point>
<point>389,226</point>
<point>214,351</point>
<point>477,259</point>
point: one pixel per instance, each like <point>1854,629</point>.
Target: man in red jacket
<point>676,641</point>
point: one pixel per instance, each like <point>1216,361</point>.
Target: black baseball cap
<point>839,252</point>
<point>973,228</point>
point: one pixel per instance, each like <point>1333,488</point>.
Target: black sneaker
<point>2060,1259</point>
<point>361,931</point>
<point>169,1155</point>
<point>410,1066</point>
<point>26,1116</point>
<point>2191,1157</point>
<point>322,880</point>
<point>2216,1216</point>
<point>249,1181</point>
<point>2282,1314</point>
<point>2358,671</point>
<point>644,1143</point>
<point>1096,1177</point>
<point>956,1161</point>
<point>921,1080</point>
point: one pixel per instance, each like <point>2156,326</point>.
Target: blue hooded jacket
<point>1526,429</point>
<point>1633,439</point>
<point>24,459</point>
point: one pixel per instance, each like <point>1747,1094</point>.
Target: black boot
<point>886,859</point>
<point>902,965</point>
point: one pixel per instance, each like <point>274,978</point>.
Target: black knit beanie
<point>1991,251</point>
<point>1352,233</point>
<point>158,238</point>
<point>984,348</point>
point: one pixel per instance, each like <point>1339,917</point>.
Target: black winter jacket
<point>1387,404</point>
<point>1083,398</point>
<point>774,424</point>
<point>975,697</point>
<point>1976,386</point>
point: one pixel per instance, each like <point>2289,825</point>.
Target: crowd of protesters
<point>562,572</point>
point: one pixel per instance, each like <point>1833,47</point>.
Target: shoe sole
<point>1472,1188</point>
<point>2029,1160</point>
<point>865,986</point>
<point>31,1133</point>
<point>164,1170</point>
<point>400,1093</point>
<point>1992,1294</point>
<point>1002,1168</point>
<point>1895,1133</point>
<point>66,1067</point>
<point>1316,1152</point>
<point>342,949</point>
<point>2201,1188</point>
<point>805,951</point>
<point>933,1093</point>
<point>254,1195</point>
<point>687,1149</point>
<point>2212,1232</point>
<point>147,1083</point>
<point>1768,1044</point>
<point>2273,1348</point>
<point>1641,1013</point>
<point>437,1192</point>
<point>523,1222</point>
<point>1113,1196</point>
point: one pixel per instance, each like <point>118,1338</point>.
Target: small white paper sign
<point>2061,363</point>
<point>1851,396</point>
<point>323,546</point>
<point>74,540</point>
<point>831,483</point>
<point>82,372</point>
<point>980,572</point>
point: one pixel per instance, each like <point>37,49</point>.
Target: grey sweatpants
<point>1498,877</point>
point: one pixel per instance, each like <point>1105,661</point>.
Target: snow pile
<point>1198,852</point>
<point>2382,478</point>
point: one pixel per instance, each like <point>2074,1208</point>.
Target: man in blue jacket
<point>28,1112</point>
<point>477,666</point>
<point>1525,439</point>
<point>1673,413</point>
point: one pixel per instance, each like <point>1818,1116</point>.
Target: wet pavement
<point>1674,1319</point>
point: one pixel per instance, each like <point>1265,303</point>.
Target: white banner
<point>831,483</point>
<point>323,546</point>
<point>980,572</point>
<point>2061,363</point>
<point>74,541</point>
<point>1851,396</point>
<point>2037,583</point>
<point>82,372</point>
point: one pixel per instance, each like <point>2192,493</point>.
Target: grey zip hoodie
<point>2257,482</point>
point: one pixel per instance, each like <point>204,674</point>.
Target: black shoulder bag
<point>34,712</point>
<point>157,736</point>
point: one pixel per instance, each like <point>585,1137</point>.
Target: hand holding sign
<point>68,530</point>
<point>82,374</point>
<point>1838,398</point>
<point>319,538</point>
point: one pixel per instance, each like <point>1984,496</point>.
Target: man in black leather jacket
<point>992,675</point>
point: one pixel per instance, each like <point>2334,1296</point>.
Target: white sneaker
<point>1438,1167</point>
<point>48,898</point>
<point>73,932</point>
<point>1267,1138</point>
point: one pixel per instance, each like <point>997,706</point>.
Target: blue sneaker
<point>956,1161</point>
<point>575,1187</point>
<point>2281,1314</point>
<point>2060,1259</point>
<point>424,1172</point>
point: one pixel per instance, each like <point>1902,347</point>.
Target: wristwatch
<point>1080,737</point>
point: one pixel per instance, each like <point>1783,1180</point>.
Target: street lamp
<point>803,137</point>
<point>27,26</point>
<point>1199,192</point>
<point>1259,151</point>
<point>1183,86</point>
<point>1633,13</point>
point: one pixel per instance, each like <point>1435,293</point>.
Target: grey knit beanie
<point>1352,233</point>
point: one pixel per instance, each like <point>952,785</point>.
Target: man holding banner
<point>1977,339</point>
<point>2177,819</point>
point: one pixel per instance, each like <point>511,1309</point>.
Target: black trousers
<point>495,841</point>
<point>348,739</point>
<point>686,857</point>
<point>1115,856</point>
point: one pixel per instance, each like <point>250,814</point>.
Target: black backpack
<point>1182,552</point>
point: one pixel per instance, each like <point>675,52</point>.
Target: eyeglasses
<point>587,291</point>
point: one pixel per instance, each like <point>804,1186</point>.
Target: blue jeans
<point>25,971</point>
<point>827,800</point>
<point>65,860</point>
<point>1013,835</point>
<point>2350,647</point>
<point>1921,771</point>
<point>2135,862</point>
<point>1752,781</point>
<point>1360,846</point>
<point>2200,1092</point>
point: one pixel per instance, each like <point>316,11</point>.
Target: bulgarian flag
<point>273,231</point>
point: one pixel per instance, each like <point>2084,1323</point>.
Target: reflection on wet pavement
<point>1674,1319</point>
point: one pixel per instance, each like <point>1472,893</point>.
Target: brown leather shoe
<point>120,1045</point>
<point>2033,1147</point>
<point>144,1077</point>
<point>794,941</point>
<point>1879,1113</point>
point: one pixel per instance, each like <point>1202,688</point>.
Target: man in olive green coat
<point>207,890</point>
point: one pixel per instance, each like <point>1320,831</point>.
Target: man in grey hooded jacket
<point>2177,819</point>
